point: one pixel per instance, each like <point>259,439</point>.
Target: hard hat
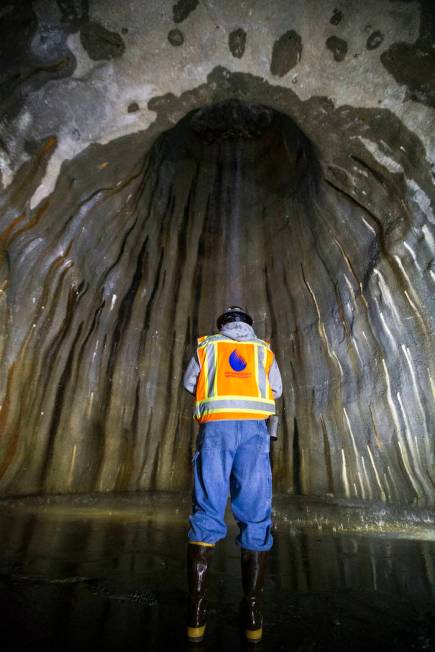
<point>233,313</point>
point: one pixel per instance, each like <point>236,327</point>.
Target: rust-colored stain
<point>48,146</point>
<point>41,209</point>
<point>10,234</point>
<point>10,229</point>
<point>49,67</point>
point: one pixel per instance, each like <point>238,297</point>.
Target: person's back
<point>235,379</point>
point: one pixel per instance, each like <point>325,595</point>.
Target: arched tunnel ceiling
<point>114,263</point>
<point>82,90</point>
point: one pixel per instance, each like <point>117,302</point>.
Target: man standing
<point>235,380</point>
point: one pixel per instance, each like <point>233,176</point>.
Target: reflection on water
<point>109,573</point>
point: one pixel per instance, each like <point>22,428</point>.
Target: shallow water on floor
<point>108,573</point>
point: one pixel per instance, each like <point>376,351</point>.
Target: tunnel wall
<point>108,261</point>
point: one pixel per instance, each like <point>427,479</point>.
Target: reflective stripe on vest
<point>233,381</point>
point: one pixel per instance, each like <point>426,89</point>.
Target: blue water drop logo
<point>237,362</point>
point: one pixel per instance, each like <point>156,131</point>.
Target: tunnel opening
<point>137,251</point>
<point>253,174</point>
<point>254,171</point>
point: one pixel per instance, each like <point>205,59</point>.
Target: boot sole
<point>195,634</point>
<point>254,635</point>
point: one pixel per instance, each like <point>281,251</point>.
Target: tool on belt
<point>272,426</point>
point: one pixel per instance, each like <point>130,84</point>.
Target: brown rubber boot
<point>199,558</point>
<point>253,572</point>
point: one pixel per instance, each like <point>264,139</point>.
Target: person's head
<point>233,313</point>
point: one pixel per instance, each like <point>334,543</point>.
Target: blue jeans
<point>232,457</point>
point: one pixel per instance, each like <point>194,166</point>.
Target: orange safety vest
<point>233,381</point>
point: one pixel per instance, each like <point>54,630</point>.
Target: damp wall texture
<point>160,160</point>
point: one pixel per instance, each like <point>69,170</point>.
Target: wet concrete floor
<point>108,573</point>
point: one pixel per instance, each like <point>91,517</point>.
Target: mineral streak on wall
<point>159,160</point>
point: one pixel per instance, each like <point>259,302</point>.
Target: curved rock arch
<point>94,347</point>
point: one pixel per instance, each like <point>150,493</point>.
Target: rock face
<point>122,240</point>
